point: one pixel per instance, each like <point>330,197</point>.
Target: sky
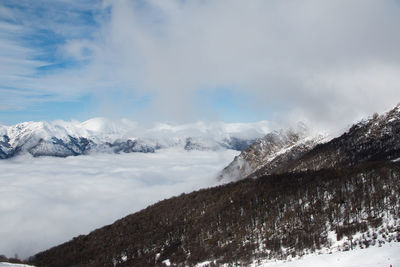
<point>319,61</point>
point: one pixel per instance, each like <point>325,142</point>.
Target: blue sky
<point>38,29</point>
<point>319,61</point>
<point>45,28</point>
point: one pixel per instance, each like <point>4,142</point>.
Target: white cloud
<point>331,58</point>
<point>315,57</point>
<point>42,205</point>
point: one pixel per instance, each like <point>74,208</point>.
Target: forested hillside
<point>309,198</point>
<point>377,138</point>
<point>275,217</point>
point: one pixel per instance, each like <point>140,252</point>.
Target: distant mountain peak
<point>271,151</point>
<point>61,139</point>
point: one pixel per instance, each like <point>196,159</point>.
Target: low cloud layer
<point>47,201</point>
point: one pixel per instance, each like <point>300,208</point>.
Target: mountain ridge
<point>375,138</point>
<point>62,139</point>
<point>297,209</point>
<point>271,151</point>
<point>370,139</point>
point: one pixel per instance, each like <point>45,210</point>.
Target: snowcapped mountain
<point>373,139</point>
<point>62,139</point>
<point>272,151</point>
<point>298,149</point>
<point>311,196</point>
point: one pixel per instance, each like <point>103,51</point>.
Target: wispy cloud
<point>33,34</point>
<point>331,62</point>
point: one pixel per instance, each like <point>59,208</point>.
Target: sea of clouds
<point>46,201</point>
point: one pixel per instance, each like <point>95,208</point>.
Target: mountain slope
<point>335,196</point>
<point>271,152</point>
<point>273,217</point>
<point>64,139</point>
<point>373,139</point>
<point>377,138</point>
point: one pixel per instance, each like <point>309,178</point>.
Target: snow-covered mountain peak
<point>373,138</point>
<point>105,126</point>
<point>63,138</point>
<point>210,130</point>
<point>376,138</point>
<point>273,150</point>
<point>376,124</point>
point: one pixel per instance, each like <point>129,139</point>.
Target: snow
<point>204,264</point>
<point>102,127</point>
<point>384,256</point>
<point>167,262</point>
<point>106,127</point>
<point>396,160</point>
<point>204,135</point>
<point>270,147</point>
<point>6,264</point>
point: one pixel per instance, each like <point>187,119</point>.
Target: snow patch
<point>386,255</point>
<point>167,262</point>
<point>396,160</point>
<point>6,264</point>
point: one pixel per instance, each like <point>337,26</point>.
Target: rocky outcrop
<point>270,152</point>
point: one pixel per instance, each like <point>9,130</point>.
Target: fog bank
<point>47,201</point>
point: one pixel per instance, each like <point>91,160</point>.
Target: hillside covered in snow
<point>274,217</point>
<point>62,139</point>
<point>299,149</point>
<point>272,151</point>
<point>335,196</point>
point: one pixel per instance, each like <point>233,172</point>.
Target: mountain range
<point>298,194</point>
<point>99,135</point>
<point>290,193</point>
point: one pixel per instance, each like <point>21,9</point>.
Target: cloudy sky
<point>328,62</point>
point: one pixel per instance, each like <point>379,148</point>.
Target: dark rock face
<point>191,144</point>
<point>6,151</point>
<point>56,147</point>
<point>2,154</point>
<point>130,146</point>
<point>237,143</point>
<point>5,141</point>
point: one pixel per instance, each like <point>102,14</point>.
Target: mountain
<point>62,139</point>
<point>272,217</point>
<point>340,195</point>
<point>373,139</point>
<point>272,151</point>
<point>376,138</point>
